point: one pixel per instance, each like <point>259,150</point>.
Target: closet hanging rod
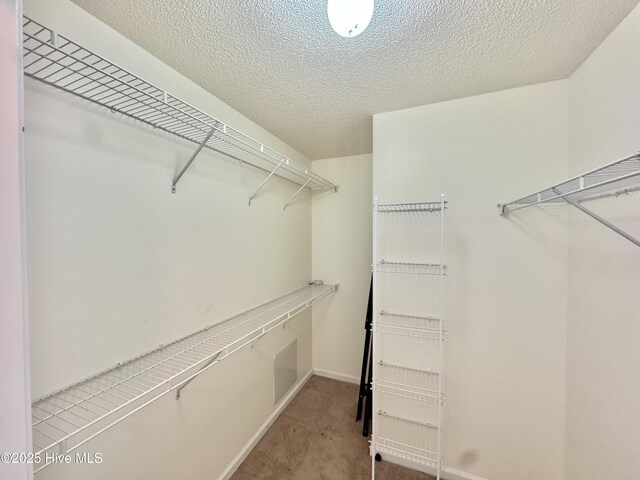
<point>68,418</point>
<point>59,62</point>
<point>614,179</point>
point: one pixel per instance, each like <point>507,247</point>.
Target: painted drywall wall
<point>506,293</point>
<point>341,252</point>
<point>119,265</point>
<point>603,359</point>
<point>15,434</point>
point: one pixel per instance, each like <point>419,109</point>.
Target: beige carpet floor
<point>317,438</point>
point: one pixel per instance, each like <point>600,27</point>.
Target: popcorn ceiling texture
<point>280,63</point>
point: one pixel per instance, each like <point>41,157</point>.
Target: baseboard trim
<point>233,466</point>
<point>453,474</point>
<point>336,376</point>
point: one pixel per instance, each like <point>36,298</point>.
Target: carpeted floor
<point>317,438</point>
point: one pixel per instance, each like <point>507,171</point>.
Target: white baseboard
<point>453,474</point>
<point>336,376</point>
<point>233,466</point>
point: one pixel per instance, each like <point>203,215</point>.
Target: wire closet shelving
<point>617,178</point>
<point>62,63</point>
<point>66,419</point>
<point>409,440</point>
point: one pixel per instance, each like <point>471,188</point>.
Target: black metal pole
<point>365,354</point>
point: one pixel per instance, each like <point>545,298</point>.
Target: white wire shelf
<point>59,62</point>
<point>418,392</point>
<point>409,325</point>
<point>619,177</point>
<point>407,382</point>
<point>408,268</point>
<point>64,420</point>
<point>419,440</point>
<point>411,207</point>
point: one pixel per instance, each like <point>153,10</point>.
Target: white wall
<point>603,359</point>
<point>341,231</point>
<point>506,295</point>
<point>15,427</point>
<point>119,265</point>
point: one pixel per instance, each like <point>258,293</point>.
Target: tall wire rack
<point>408,440</point>
<point>57,61</point>
<point>64,420</point>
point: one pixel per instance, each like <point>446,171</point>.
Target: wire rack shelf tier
<point>64,420</point>
<point>410,268</point>
<point>411,207</point>
<point>411,383</point>
<point>408,439</point>
<point>60,62</point>
<point>616,178</point>
<point>409,325</point>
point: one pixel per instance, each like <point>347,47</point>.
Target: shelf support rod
<point>190,161</point>
<point>266,180</point>
<point>187,382</point>
<point>598,218</point>
<point>296,194</point>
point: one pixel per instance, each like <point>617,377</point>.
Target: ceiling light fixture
<point>349,17</point>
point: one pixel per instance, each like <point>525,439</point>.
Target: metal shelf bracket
<point>296,194</point>
<point>204,367</point>
<point>267,179</point>
<point>598,218</point>
<point>190,161</point>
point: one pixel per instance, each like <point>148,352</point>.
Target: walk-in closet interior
<point>319,240</point>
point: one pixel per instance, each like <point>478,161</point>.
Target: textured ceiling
<point>280,63</point>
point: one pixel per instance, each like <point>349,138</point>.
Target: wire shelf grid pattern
<point>57,61</point>
<point>413,441</point>
<point>619,177</point>
<point>409,325</point>
<point>411,207</point>
<point>64,420</point>
<point>409,268</point>
<point>411,383</point>
<point>407,439</point>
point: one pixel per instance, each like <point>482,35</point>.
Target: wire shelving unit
<point>407,382</point>
<point>60,62</point>
<point>409,325</point>
<point>385,266</point>
<point>66,419</point>
<point>617,178</point>
<point>411,207</point>
<point>408,439</point>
